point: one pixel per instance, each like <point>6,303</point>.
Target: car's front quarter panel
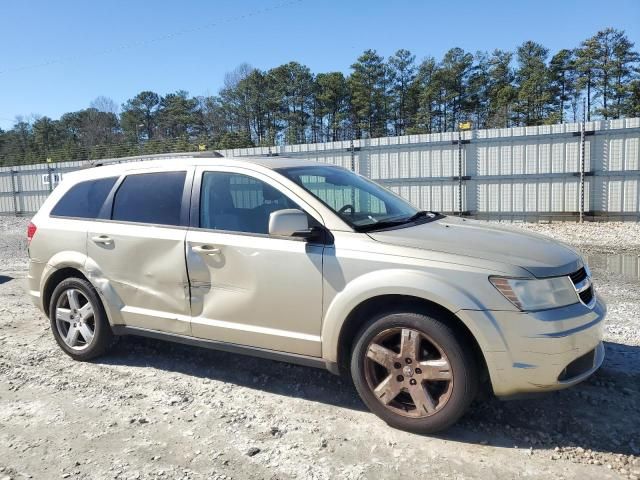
<point>357,269</point>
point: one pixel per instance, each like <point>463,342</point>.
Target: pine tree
<point>563,78</point>
<point>402,72</point>
<point>631,107</point>
<point>141,110</point>
<point>477,97</point>
<point>502,92</point>
<point>625,70</point>
<point>367,86</point>
<point>177,115</point>
<point>292,85</point>
<point>532,79</point>
<point>426,90</point>
<point>587,71</point>
<point>453,77</point>
<point>332,95</point>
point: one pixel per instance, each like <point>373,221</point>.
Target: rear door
<point>136,250</point>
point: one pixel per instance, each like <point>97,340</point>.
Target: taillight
<point>31,231</point>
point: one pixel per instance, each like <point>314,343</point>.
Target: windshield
<point>363,204</point>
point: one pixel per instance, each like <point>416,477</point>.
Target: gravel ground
<point>597,237</point>
<point>154,410</point>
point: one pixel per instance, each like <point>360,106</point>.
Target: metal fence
<point>522,173</point>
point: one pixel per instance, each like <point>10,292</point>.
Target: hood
<point>540,255</point>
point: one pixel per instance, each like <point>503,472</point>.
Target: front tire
<point>78,320</point>
<point>414,371</point>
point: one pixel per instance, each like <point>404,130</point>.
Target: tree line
<point>395,96</point>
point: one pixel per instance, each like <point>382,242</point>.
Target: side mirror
<point>289,222</point>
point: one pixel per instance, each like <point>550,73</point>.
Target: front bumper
<point>545,350</point>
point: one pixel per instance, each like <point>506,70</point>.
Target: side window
<point>84,199</point>
<point>238,203</point>
<point>150,198</point>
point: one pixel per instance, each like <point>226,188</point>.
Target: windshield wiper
<point>419,214</point>
<point>394,223</point>
<point>424,213</point>
<point>379,225</point>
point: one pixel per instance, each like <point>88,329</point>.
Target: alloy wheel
<point>408,372</point>
<point>75,319</point>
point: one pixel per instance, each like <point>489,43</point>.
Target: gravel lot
<point>161,411</point>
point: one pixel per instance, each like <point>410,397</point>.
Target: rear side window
<point>85,199</point>
<point>150,198</point>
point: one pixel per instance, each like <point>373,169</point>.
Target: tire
<point>397,357</point>
<point>78,320</point>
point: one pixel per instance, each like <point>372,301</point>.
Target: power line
<point>167,36</point>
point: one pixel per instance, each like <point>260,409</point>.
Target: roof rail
<point>153,156</point>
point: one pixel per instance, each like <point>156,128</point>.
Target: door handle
<point>207,250</point>
<point>103,239</point>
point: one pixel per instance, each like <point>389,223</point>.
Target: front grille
<point>586,295</point>
<point>579,366</point>
<point>578,276</point>
<point>584,288</point>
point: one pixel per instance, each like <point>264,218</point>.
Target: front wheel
<point>414,372</point>
<point>78,320</point>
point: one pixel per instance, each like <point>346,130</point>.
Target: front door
<point>248,288</point>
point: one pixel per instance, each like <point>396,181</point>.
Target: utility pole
<point>461,126</point>
<point>50,173</point>
<point>353,156</point>
<point>14,191</point>
<point>582,160</point>
<point>353,169</point>
<point>459,171</point>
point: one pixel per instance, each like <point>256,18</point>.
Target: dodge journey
<point>313,264</point>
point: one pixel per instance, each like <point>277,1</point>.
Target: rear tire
<point>414,371</point>
<point>78,320</point>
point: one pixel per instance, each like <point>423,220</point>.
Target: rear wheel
<point>414,372</point>
<point>78,320</point>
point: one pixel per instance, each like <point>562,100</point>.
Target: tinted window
<point>238,203</point>
<point>85,199</point>
<point>150,198</point>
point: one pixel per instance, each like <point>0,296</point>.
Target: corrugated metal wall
<point>509,173</point>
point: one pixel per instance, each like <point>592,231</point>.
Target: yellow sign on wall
<point>464,125</point>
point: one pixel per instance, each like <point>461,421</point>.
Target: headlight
<point>536,294</point>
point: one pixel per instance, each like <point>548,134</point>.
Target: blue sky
<point>58,56</point>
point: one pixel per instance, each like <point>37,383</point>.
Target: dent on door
<point>262,292</point>
<point>143,273</point>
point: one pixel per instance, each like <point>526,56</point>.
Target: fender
<point>403,282</point>
<point>64,259</point>
<point>79,261</point>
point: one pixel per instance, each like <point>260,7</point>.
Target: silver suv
<point>313,264</point>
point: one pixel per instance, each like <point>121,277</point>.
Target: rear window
<point>85,199</point>
<point>150,198</point>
